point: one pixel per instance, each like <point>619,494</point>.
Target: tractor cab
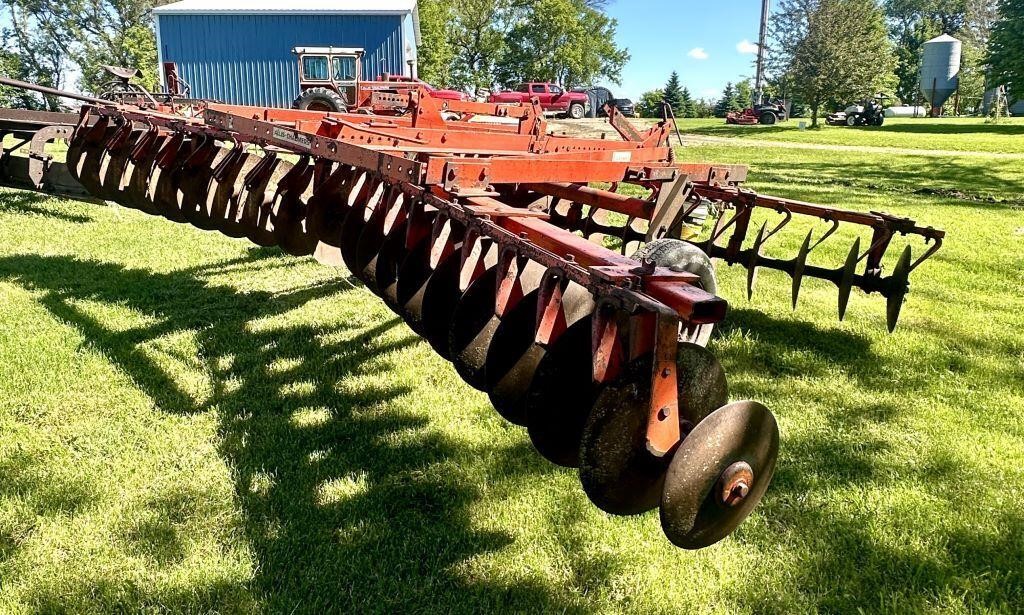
<point>328,77</point>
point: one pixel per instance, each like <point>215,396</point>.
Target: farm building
<point>240,51</point>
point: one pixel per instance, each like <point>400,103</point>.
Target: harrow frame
<point>475,194</point>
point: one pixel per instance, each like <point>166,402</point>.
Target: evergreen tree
<point>674,94</point>
<point>744,94</point>
<point>728,102</point>
<point>686,108</point>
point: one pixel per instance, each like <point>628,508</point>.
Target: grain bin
<point>940,70</point>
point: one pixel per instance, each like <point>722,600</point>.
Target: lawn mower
<point>866,113</point>
<point>766,114</point>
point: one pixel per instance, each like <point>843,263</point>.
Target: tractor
<point>330,79</point>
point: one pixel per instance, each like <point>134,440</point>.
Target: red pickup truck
<point>553,99</point>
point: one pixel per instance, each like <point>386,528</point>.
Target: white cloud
<point>746,46</point>
<point>698,53</point>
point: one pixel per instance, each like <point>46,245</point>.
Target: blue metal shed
<point>240,51</point>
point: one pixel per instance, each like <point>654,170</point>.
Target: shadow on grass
<point>398,525</point>
<point>393,538</point>
<point>34,204</point>
<point>981,184</point>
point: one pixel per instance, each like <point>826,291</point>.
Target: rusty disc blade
<point>361,213</point>
<point>474,324</point>
<point>846,278</point>
<point>798,267</point>
<point>376,232</point>
<point>511,357</point>
<point>196,190</point>
<point>719,474</point>
<point>328,208</point>
<point>389,260</point>
<point>293,235</point>
<point>562,395</point>
<point>618,473</point>
<point>440,297</point>
<point>90,163</point>
<point>73,157</point>
<point>509,381</point>
<point>414,277</point>
<point>258,206</point>
<point>755,253</point>
<point>137,185</point>
<point>227,199</point>
<point>413,273</point>
<point>112,171</point>
<point>163,192</point>
<point>472,329</point>
<point>899,285</point>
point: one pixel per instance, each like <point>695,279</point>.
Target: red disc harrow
<point>551,271</point>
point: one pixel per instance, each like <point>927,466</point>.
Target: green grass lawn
<point>954,134</point>
<point>189,423</point>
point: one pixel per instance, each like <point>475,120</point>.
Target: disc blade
<point>440,298</point>
<point>899,285</point>
<point>472,329</point>
<point>798,267</point>
<point>755,252</point>
<point>386,264</point>
<point>618,473</point>
<point>719,474</point>
<point>511,358</point>
<point>846,279</point>
<point>562,395</point>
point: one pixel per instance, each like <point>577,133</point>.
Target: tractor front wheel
<point>851,120</point>
<point>320,99</point>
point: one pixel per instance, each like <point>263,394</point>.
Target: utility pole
<point>761,43</point>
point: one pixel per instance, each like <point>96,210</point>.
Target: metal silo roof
<point>268,7</point>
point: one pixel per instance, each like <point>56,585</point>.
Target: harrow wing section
<point>485,234</point>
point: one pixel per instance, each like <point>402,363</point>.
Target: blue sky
<point>700,40</point>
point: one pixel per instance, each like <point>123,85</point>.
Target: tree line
<point>475,45</point>
<point>823,53</point>
<point>827,53</point>
<point>469,45</point>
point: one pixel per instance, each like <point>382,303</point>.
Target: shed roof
<point>269,7</point>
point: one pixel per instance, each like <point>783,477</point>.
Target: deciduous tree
<point>54,35</point>
<point>1006,48</point>
<point>568,42</point>
<point>436,51</point>
<point>832,50</point>
<point>650,103</point>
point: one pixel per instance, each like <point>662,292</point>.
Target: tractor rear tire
<point>577,111</point>
<point>878,121</point>
<point>320,99</point>
<point>768,118</point>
